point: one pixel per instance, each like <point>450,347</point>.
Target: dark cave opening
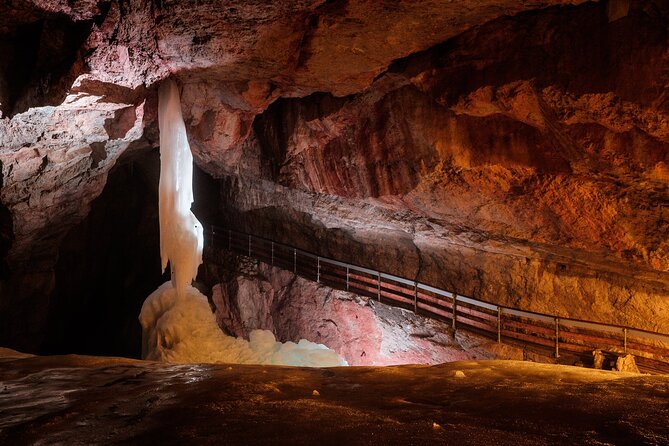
<point>6,237</point>
<point>39,60</point>
<point>107,266</point>
<point>110,262</point>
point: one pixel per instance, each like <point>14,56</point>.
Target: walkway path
<point>545,333</point>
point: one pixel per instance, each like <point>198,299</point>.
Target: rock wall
<point>515,151</point>
<point>570,149</point>
<point>510,163</point>
<point>361,330</point>
<point>536,277</point>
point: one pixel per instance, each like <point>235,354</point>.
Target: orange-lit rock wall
<point>523,162</point>
<point>514,151</point>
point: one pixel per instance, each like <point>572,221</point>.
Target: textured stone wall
<point>361,330</point>
<point>515,151</point>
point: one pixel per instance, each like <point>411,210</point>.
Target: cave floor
<point>97,400</point>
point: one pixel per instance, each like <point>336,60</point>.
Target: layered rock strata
<point>512,151</point>
<point>361,330</point>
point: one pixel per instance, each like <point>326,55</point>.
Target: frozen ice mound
<point>184,330</point>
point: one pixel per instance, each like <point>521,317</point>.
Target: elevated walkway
<point>543,333</point>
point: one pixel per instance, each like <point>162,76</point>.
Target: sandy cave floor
<point>98,400</point>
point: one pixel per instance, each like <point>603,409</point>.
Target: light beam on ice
<point>181,235</point>
<point>177,322</point>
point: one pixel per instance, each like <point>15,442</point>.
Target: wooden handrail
<point>489,318</point>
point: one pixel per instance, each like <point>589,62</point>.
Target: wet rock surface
<point>84,400</point>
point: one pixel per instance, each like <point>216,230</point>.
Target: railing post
<point>415,297</point>
<point>625,340</point>
<point>455,305</point>
<point>219,233</point>
<point>557,337</point>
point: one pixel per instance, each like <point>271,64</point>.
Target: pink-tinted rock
<point>54,162</point>
<point>361,330</point>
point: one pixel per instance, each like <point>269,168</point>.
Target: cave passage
<point>334,222</point>
<point>107,265</point>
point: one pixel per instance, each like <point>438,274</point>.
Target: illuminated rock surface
<point>511,151</point>
<point>362,330</point>
<point>85,400</point>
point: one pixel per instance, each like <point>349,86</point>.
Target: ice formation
<point>177,322</point>
<point>181,236</point>
<point>184,330</point>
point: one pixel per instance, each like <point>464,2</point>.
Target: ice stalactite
<point>181,235</point>
<point>177,322</point>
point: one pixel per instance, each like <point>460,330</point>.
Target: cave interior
<point>417,185</point>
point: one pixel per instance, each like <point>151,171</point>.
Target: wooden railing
<point>544,333</point>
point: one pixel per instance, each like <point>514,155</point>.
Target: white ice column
<point>181,236</point>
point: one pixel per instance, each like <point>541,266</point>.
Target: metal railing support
<point>229,240</point>
<point>272,253</point>
<point>455,305</point>
<point>378,287</point>
<point>249,245</point>
<point>499,324</point>
<point>625,340</point>
<point>294,260</point>
<point>347,277</point>
<point>557,337</point>
<point>415,297</point>
<point>318,270</point>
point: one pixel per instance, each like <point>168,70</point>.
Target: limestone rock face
<point>55,161</point>
<point>627,364</point>
<point>40,51</point>
<point>361,330</point>
<point>507,164</point>
<point>515,151</point>
<point>569,283</point>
